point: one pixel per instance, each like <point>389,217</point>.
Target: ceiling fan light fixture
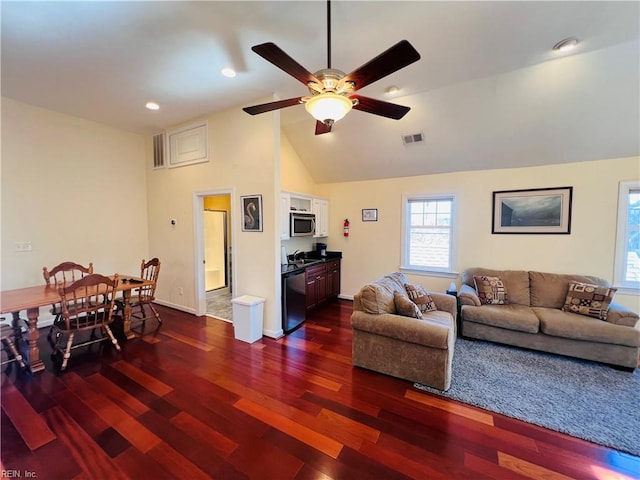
<point>328,108</point>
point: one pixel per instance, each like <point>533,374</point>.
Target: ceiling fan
<point>332,91</point>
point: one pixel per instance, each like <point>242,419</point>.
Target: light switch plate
<point>22,246</point>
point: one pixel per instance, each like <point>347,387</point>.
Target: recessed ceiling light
<point>228,72</point>
<point>566,44</point>
<point>391,90</point>
<point>152,106</point>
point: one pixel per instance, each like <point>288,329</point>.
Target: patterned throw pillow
<point>491,290</point>
<point>590,300</point>
<point>406,307</point>
<point>421,298</point>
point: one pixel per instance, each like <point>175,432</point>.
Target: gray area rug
<point>584,399</point>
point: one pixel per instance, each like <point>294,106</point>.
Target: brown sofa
<point>419,350</point>
<point>533,318</point>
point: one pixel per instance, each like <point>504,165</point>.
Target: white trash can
<point>247,318</point>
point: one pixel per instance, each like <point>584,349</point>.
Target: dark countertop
<point>311,258</point>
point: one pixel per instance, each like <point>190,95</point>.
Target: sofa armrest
<point>406,329</point>
<point>468,296</point>
<point>446,303</point>
<point>620,315</point>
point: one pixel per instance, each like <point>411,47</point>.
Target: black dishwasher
<point>294,304</point>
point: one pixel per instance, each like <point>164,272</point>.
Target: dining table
<point>32,298</point>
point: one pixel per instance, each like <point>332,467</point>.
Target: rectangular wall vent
<point>158,150</point>
<point>412,138</point>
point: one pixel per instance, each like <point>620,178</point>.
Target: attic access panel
<point>188,145</point>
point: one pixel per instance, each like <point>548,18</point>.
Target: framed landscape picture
<point>538,210</point>
<point>251,213</point>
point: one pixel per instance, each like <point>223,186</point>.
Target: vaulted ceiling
<point>488,92</point>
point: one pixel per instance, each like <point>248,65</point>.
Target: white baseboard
<point>275,334</point>
<point>45,319</point>
<point>345,297</point>
<point>175,306</point>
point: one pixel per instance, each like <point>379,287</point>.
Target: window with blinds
<point>627,267</point>
<point>428,233</point>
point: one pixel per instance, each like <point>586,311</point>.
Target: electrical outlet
<point>180,291</point>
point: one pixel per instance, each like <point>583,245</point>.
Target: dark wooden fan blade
<point>322,128</point>
<point>274,54</point>
<point>268,107</point>
<point>389,61</point>
<point>378,107</point>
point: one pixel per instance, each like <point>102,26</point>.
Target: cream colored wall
<point>294,176</point>
<point>373,248</point>
<point>75,189</point>
<point>244,153</point>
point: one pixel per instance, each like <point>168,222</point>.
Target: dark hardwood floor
<point>192,402</point>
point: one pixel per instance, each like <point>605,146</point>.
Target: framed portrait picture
<point>369,214</point>
<point>251,213</point>
<point>539,210</point>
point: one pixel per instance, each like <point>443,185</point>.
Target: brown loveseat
<point>533,317</point>
<point>419,350</point>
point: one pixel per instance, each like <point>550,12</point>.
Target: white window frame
<point>622,238</point>
<point>405,266</point>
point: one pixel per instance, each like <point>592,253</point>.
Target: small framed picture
<point>251,213</point>
<point>369,214</point>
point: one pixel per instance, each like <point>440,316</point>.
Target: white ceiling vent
<point>158,150</point>
<point>413,138</point>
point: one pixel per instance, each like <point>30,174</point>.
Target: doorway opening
<point>217,262</point>
<point>216,273</point>
<point>214,254</point>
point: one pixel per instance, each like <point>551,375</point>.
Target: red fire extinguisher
<point>346,227</point>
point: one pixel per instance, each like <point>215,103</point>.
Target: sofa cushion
<point>418,295</point>
<point>578,327</point>
<point>510,317</point>
<point>550,289</point>
<point>406,307</point>
<point>516,282</point>
<point>491,290</point>
<point>587,299</point>
<point>377,297</point>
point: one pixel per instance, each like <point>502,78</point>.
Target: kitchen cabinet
<point>333,279</point>
<point>301,203</point>
<point>296,202</point>
<point>316,285</point>
<point>321,210</point>
<point>322,283</point>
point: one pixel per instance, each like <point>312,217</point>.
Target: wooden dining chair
<point>11,342</point>
<point>142,298</point>
<point>60,275</point>
<point>87,304</point>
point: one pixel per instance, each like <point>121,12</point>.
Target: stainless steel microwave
<point>303,224</point>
